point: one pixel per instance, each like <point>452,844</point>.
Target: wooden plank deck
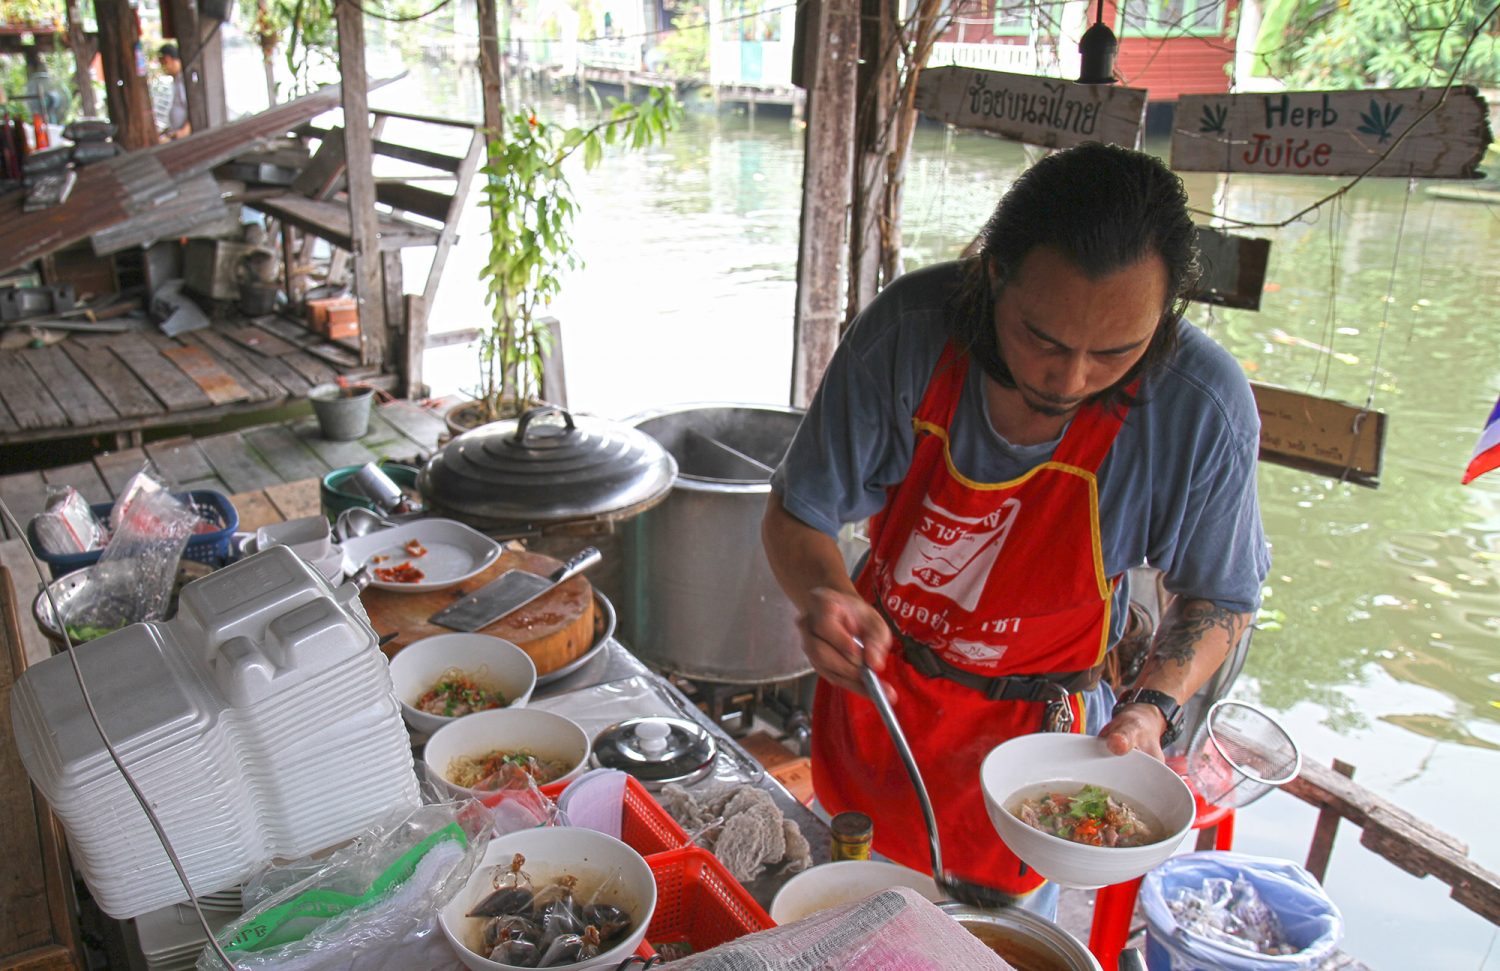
<point>98,384</point>
<point>273,462</point>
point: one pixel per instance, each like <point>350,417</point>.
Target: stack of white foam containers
<point>260,722</point>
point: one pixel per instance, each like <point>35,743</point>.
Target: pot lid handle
<point>519,438</point>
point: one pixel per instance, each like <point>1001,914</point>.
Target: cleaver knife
<point>509,592</point>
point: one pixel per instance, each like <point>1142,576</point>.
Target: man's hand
<point>833,629</point>
<point>1136,728</point>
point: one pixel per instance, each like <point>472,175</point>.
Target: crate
<point>644,826</point>
<point>698,902</point>
<point>213,547</point>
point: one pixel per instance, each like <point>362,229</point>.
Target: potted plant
<point>531,208</point>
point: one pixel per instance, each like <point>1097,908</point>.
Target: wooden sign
<point>1333,133</point>
<point>1041,111</point>
<point>1234,269</point>
<point>1320,435</point>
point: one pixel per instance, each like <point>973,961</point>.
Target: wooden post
<point>1321,849</point>
<point>393,292</point>
<point>83,47</point>
<point>358,160</point>
<point>830,73</point>
<point>198,40</point>
<point>489,67</point>
<point>414,383</point>
<point>125,85</point>
<point>876,102</point>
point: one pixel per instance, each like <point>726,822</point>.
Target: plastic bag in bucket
<point>1308,920</point>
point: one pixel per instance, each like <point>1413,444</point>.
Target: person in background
<point>177,124</point>
<point>1023,427</point>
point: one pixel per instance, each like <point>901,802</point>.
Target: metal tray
<point>604,629</point>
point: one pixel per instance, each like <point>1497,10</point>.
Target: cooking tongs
<point>961,890</point>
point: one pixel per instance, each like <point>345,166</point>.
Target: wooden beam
<point>125,89</point>
<point>413,380</point>
<point>1321,849</point>
<point>827,172</point>
<point>876,100</point>
<point>84,45</point>
<point>363,231</point>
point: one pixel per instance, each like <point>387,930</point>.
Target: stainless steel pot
<point>700,597</point>
<point>1028,942</point>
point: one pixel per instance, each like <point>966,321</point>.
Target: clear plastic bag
<point>132,582</point>
<point>66,524</point>
<point>372,904</point>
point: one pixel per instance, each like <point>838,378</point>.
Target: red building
<point>1169,47</point>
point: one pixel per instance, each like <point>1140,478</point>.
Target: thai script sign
<point>1025,108</point>
<point>1333,132</point>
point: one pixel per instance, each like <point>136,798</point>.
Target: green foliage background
<point>1378,43</point>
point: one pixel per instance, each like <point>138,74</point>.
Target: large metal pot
<point>700,597</point>
<point>1026,941</point>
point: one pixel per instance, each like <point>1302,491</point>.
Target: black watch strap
<point>1171,712</point>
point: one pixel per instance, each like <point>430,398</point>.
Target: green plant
<point>531,207</point>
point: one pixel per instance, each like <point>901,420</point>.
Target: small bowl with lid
<point>657,750</point>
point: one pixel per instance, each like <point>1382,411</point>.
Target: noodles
<point>489,770</point>
<point>458,693</point>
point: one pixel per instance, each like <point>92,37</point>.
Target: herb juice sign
<point>1333,132</point>
<point>1040,111</point>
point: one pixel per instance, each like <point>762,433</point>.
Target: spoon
<point>962,890</point>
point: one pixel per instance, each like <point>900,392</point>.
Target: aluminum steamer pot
<point>547,470</point>
<point>701,600</point>
<point>1028,942</point>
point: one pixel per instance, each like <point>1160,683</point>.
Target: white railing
<point>1013,58</point>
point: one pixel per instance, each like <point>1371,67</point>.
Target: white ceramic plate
<point>454,553</point>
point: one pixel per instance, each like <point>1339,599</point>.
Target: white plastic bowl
<point>844,882</point>
<point>540,732</point>
<point>550,853</point>
<point>1027,766</point>
<point>492,660</point>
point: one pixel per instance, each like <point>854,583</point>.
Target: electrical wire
<point>88,703</point>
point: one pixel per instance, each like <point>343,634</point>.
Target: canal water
<point>1378,639</point>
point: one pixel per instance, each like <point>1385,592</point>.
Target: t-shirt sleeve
<point>1214,547</point>
<point>857,439</point>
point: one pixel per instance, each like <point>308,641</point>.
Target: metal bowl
<point>64,590</point>
<point>1027,941</point>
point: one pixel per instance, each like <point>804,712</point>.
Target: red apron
<point>998,579</point>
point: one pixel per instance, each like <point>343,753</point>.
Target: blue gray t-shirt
<point>1176,492</point>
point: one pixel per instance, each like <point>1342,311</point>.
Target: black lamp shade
<point>1098,48</point>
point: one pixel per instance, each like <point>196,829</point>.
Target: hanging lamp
<point>1098,48</point>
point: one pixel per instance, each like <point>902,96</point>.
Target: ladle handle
<point>876,690</point>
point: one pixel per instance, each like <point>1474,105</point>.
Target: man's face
<point>1065,337</point>
<point>170,65</point>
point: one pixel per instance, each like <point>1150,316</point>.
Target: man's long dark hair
<point>1104,208</point>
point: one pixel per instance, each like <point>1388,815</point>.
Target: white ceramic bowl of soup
<point>844,882</point>
<point>544,734</point>
<point>608,872</point>
<point>492,662</point>
<point>1029,766</point>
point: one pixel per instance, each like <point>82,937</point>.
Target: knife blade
<point>509,592</point>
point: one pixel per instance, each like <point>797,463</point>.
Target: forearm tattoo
<point>1184,630</point>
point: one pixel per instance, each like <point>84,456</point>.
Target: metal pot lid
<point>657,749</point>
<point>548,466</point>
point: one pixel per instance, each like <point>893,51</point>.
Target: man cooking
<point>1024,427</point>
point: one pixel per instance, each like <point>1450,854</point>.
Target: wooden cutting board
<point>554,629</point>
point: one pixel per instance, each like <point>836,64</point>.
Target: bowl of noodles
<point>1080,816</point>
<point>489,751</point>
<point>449,676</point>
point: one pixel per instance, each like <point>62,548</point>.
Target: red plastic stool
<point>1115,905</point>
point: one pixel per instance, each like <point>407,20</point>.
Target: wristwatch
<point>1171,712</point>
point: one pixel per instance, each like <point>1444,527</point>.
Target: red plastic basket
<point>697,901</point>
<point>644,826</point>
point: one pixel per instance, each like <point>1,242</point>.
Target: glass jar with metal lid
<point>657,750</point>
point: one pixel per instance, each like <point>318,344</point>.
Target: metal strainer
<point>1238,754</point>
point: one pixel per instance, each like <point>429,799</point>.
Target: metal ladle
<point>962,890</point>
